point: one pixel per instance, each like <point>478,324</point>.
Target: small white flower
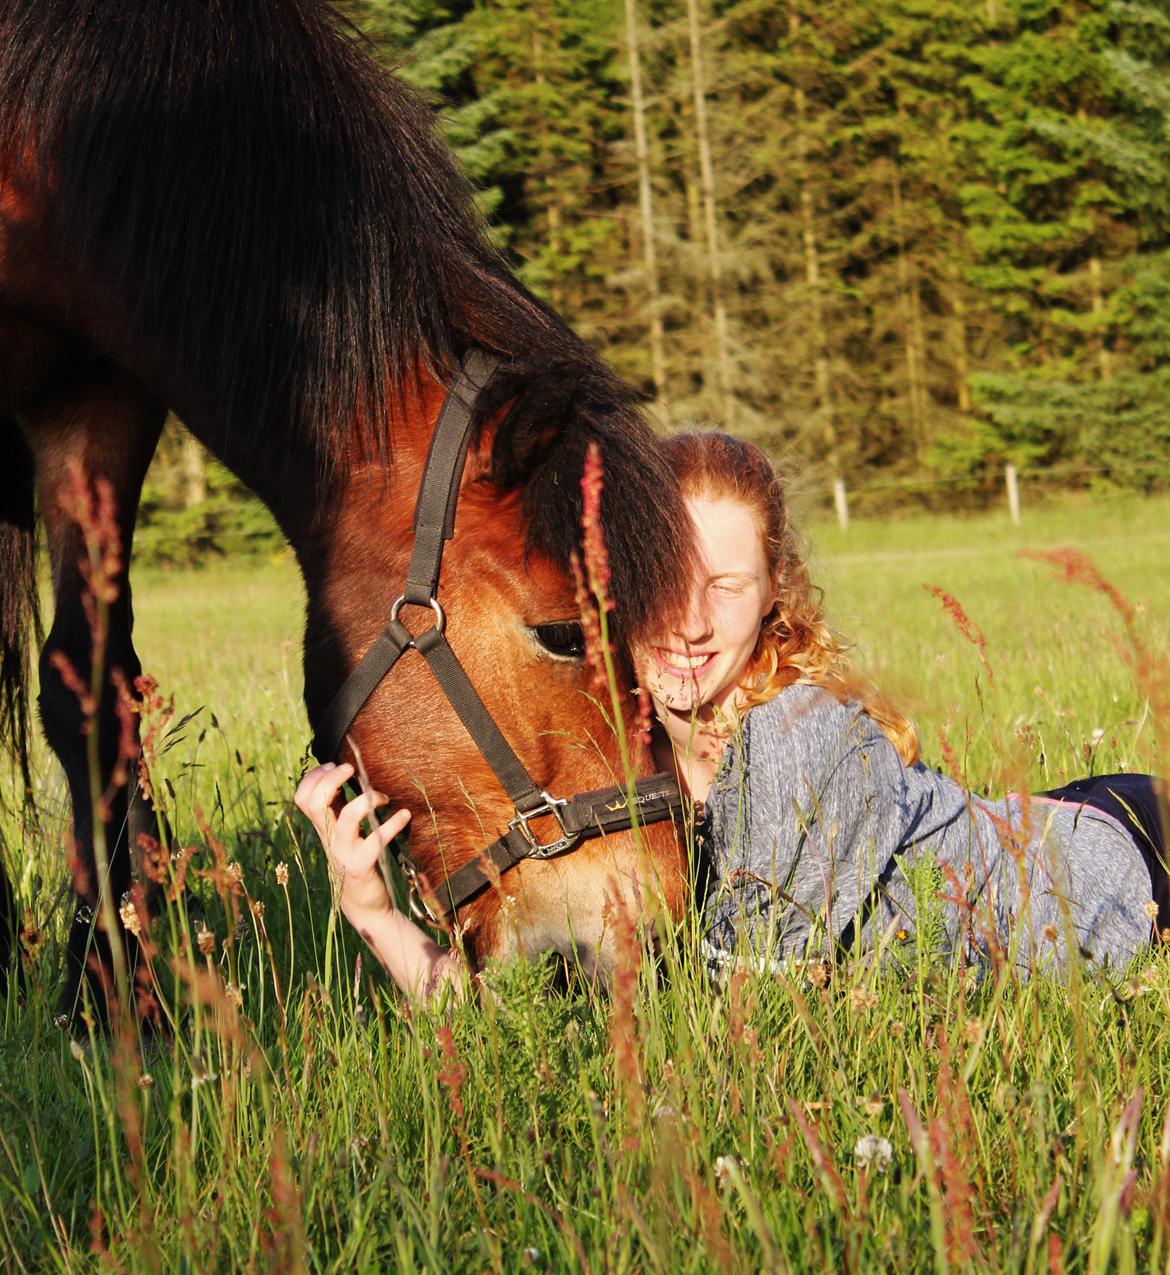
<point>201,1073</point>
<point>724,1165</point>
<point>872,1152</point>
<point>1096,735</point>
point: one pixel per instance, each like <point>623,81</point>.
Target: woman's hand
<point>353,857</point>
<point>412,958</point>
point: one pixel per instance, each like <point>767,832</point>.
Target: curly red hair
<point>795,643</point>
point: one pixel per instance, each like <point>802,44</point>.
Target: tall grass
<point>297,1115</point>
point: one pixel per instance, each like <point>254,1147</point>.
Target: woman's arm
<point>416,963</point>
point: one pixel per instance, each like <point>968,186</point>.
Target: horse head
<point>511,612</point>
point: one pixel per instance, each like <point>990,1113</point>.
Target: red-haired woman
<point>817,808</point>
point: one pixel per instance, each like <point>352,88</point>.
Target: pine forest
<point>900,242</point>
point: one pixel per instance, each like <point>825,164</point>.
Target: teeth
<point>677,660</point>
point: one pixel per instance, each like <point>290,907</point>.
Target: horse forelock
<point>554,414</point>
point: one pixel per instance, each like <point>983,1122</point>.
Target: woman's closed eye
<point>564,639</point>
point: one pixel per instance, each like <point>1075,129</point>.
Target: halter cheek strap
<point>585,815</point>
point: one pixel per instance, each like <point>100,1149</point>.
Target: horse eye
<point>565,640</point>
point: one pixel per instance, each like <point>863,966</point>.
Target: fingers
<point>356,856</point>
<point>350,816</point>
<point>317,791</point>
<point>384,833</point>
<point>339,826</point>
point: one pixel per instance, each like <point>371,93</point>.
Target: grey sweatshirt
<point>821,837</point>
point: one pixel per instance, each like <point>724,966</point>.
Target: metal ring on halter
<point>440,614</point>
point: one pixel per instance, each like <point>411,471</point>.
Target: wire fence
<point>1007,486</point>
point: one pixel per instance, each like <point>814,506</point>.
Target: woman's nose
<point>695,624</point>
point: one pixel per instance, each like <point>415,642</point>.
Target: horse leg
<point>19,619</point>
<point>109,431</point>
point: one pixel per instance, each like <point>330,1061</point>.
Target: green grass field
<point>300,1117</point>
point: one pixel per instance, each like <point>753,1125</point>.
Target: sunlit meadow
<point>295,1115</point>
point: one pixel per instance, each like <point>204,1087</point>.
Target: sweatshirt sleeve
<point>805,820</point>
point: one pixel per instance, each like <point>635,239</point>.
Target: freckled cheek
<point>739,623</point>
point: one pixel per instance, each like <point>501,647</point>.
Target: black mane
<point>289,239</point>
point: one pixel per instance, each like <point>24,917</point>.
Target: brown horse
<point>228,211</point>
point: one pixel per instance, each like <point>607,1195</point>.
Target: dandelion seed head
<point>1151,910</point>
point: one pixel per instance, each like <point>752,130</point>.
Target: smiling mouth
<point>681,664</point>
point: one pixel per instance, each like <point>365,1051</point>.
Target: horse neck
<point>320,500</point>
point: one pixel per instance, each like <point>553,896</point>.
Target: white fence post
<point>841,502</point>
<point>1013,493</point>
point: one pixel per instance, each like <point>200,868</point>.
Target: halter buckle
<point>550,806</point>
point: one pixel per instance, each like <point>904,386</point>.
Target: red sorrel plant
<point>623,1023</point>
<point>1151,675</point>
<point>92,508</point>
<point>953,1140</point>
<point>963,622</point>
<point>595,604</point>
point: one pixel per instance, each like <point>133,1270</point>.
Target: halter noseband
<point>586,815</point>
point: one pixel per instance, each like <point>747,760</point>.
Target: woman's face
<point>702,661</point>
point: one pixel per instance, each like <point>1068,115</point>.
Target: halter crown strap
<point>434,524</point>
<point>434,510</point>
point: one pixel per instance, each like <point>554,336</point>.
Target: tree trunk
<point>962,366</point>
<point>707,184</point>
<point>910,328</point>
<point>193,466</point>
<point>552,207</point>
<point>822,375</point>
<point>646,209</point>
<point>1097,301</point>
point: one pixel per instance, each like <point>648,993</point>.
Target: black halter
<point>590,814</point>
